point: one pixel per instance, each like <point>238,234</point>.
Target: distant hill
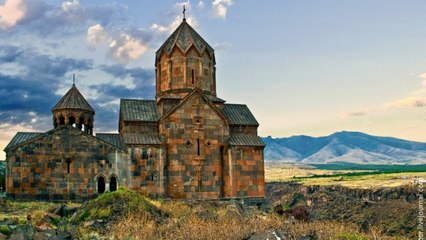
<point>348,147</point>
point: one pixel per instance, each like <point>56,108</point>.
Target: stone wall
<point>147,169</point>
<point>194,135</point>
<point>64,164</point>
<point>244,172</point>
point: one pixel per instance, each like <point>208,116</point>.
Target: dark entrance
<point>113,184</point>
<point>101,184</point>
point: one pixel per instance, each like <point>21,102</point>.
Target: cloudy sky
<point>303,67</point>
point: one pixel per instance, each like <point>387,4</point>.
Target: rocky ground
<point>390,211</point>
<point>292,211</point>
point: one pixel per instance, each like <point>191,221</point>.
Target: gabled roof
<point>139,110</point>
<point>239,114</point>
<point>22,137</point>
<point>215,99</point>
<point>245,140</point>
<point>184,37</point>
<point>188,96</point>
<point>73,99</point>
<point>141,139</point>
<point>112,138</point>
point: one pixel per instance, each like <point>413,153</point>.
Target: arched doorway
<point>113,184</point>
<point>101,184</point>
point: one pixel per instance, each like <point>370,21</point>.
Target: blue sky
<point>303,67</point>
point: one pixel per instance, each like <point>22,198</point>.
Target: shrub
<point>5,230</point>
<point>82,216</point>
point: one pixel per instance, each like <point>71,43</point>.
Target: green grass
<point>373,167</point>
<point>117,204</point>
<point>82,216</point>
<point>350,236</point>
<point>367,170</point>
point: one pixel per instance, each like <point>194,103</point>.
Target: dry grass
<point>183,222</point>
<point>186,222</point>
<point>369,181</point>
<point>21,210</point>
<point>332,230</point>
<point>286,172</point>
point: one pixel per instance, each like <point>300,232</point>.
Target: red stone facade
<point>187,143</point>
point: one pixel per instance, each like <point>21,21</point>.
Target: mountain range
<point>344,147</point>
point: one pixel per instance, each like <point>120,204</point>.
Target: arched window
<point>192,76</point>
<point>71,121</point>
<point>113,184</point>
<point>101,184</point>
<point>61,120</point>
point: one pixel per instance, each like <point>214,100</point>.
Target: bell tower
<point>74,110</point>
<point>185,61</point>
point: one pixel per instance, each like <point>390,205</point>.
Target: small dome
<point>73,99</point>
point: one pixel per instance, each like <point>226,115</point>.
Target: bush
<point>5,230</point>
<point>82,216</point>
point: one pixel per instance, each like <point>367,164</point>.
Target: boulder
<point>18,236</point>
<point>278,209</point>
<point>50,217</point>
<point>299,213</point>
<point>3,237</point>
<point>43,225</point>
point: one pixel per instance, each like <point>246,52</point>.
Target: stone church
<point>186,143</point>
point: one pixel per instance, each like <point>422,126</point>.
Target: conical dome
<point>184,37</point>
<point>73,109</point>
<point>73,99</point>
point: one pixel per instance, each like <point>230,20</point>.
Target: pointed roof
<point>206,100</point>
<point>73,99</point>
<point>184,37</point>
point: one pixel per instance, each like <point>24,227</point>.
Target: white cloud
<point>201,4</point>
<point>96,34</point>
<point>8,131</point>
<point>220,7</point>
<point>127,48</point>
<point>415,99</point>
<point>407,102</point>
<point>158,28</point>
<point>11,13</point>
<point>70,6</point>
<point>123,46</point>
<point>177,11</point>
